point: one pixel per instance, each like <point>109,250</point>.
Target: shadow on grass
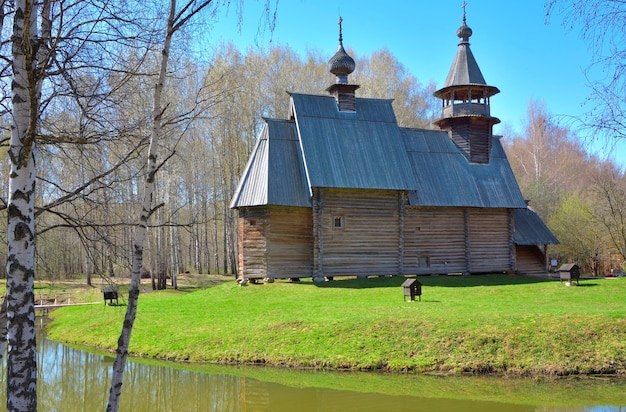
<point>584,285</point>
<point>432,280</point>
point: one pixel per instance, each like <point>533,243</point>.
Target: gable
<point>274,174</point>
<point>351,150</point>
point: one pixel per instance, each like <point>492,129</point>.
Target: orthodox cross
<point>464,5</point>
<point>340,36</point>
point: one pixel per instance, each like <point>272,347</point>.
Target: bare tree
<point>547,159</point>
<point>601,24</point>
<point>382,75</point>
<point>610,207</point>
<point>176,19</point>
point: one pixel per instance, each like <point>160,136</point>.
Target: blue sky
<point>516,50</point>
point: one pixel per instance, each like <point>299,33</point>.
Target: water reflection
<point>75,380</point>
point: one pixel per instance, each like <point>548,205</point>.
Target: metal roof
<point>323,147</point>
<point>530,229</point>
<point>356,150</point>
<point>274,174</point>
<point>446,178</point>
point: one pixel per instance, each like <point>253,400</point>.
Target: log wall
<point>530,260</point>
<point>490,240</point>
<point>445,240</point>
<point>434,240</point>
<point>290,242</point>
<point>252,242</point>
<point>367,242</point>
<point>375,232</point>
<point>276,242</point>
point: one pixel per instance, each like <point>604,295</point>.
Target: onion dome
<point>341,64</point>
<point>464,32</point>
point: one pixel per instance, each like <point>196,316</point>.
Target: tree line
<point>87,195</point>
<point>581,196</point>
<point>90,193</point>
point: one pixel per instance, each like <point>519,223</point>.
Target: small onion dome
<point>464,32</point>
<point>341,63</point>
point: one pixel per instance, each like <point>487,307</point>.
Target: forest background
<point>85,217</point>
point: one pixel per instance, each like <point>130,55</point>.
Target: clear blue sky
<point>516,50</point>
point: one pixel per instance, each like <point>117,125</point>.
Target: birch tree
<point>115,391</point>
<point>27,69</point>
<point>51,44</point>
<point>177,18</point>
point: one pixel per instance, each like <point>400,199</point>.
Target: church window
<point>338,222</point>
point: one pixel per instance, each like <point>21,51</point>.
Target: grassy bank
<point>478,324</point>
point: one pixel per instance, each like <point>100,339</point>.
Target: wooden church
<point>338,188</point>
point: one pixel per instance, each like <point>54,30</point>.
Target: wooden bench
<point>53,298</point>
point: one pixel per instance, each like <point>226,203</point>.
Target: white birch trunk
<point>3,329</point>
<point>22,354</point>
<point>141,229</point>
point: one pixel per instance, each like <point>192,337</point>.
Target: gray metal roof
<point>368,150</point>
<point>530,229</point>
<point>446,178</point>
<point>357,150</point>
<point>274,174</point>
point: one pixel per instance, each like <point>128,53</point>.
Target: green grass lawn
<point>479,324</point>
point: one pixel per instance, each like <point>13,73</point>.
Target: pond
<point>72,379</point>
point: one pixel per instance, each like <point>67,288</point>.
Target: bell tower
<point>466,98</point>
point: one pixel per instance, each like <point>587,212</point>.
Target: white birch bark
<point>175,20</point>
<point>142,227</point>
<point>20,315</point>
<point>3,329</point>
